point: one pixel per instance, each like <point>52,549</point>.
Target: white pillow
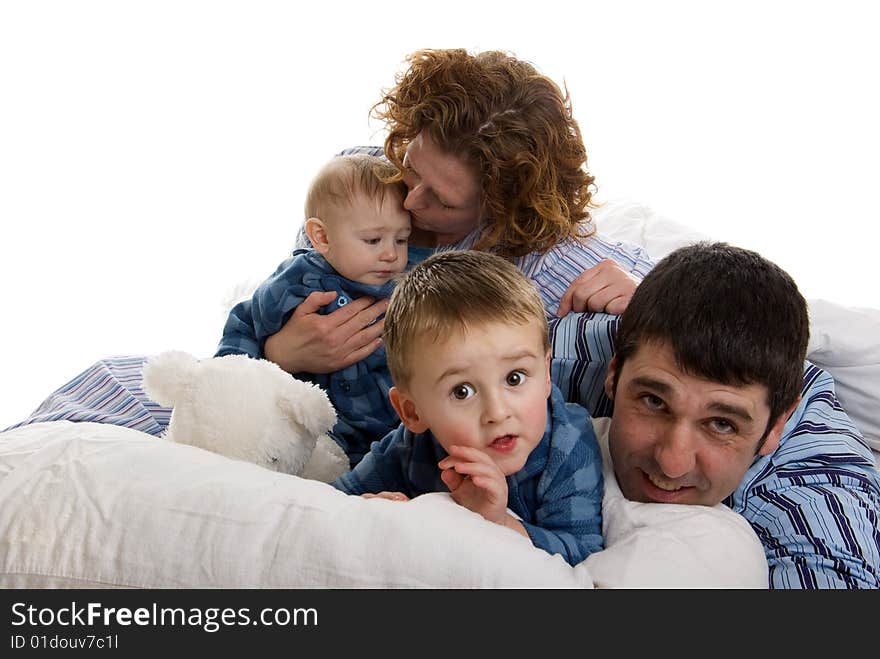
<point>653,545</point>
<point>845,341</point>
<point>93,505</point>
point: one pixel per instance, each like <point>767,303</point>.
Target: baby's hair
<point>450,292</point>
<point>345,177</point>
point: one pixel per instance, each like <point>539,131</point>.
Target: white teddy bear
<point>247,409</point>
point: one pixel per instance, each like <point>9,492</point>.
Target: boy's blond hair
<point>449,292</point>
<point>345,177</point>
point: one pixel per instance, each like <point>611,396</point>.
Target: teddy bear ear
<point>308,405</point>
<point>167,375</point>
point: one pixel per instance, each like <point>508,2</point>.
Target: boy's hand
<point>391,496</point>
<point>604,287</point>
<point>475,482</point>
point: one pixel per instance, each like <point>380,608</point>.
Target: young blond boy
<point>467,346</point>
<point>359,230</point>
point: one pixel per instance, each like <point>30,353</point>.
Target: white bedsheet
<point>90,505</point>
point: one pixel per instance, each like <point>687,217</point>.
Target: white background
<point>154,154</point>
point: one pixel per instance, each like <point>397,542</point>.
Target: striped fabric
<point>582,346</point>
<point>557,494</point>
<point>109,391</point>
<point>554,271</point>
<point>815,501</point>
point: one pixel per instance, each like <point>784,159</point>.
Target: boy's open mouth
<point>504,443</point>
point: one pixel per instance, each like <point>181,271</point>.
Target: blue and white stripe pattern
<point>555,270</point>
<point>557,494</point>
<point>815,501</point>
<point>109,391</point>
<point>582,345</point>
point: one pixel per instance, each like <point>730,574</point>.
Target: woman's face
<point>444,191</point>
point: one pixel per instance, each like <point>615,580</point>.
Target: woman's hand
<point>604,287</point>
<point>314,343</point>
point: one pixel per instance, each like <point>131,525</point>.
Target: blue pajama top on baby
<point>359,392</point>
<point>557,494</point>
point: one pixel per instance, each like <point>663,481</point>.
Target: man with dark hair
<point>699,384</point>
<point>713,402</point>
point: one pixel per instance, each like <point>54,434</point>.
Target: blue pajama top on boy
<point>359,392</point>
<point>557,494</point>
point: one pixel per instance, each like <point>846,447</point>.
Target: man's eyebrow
<point>731,410</point>
<point>651,383</point>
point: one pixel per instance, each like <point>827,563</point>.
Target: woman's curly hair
<point>514,125</point>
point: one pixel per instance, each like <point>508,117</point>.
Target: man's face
<point>677,438</point>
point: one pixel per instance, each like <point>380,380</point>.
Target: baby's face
<point>485,388</point>
<point>367,241</point>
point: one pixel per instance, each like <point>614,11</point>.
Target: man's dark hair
<point>730,316</point>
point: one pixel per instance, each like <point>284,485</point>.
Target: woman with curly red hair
<point>493,160</point>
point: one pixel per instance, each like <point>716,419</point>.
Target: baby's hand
<point>391,496</point>
<point>475,482</point>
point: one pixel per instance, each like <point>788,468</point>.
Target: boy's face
<point>485,388</point>
<point>677,438</point>
<point>366,242</point>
